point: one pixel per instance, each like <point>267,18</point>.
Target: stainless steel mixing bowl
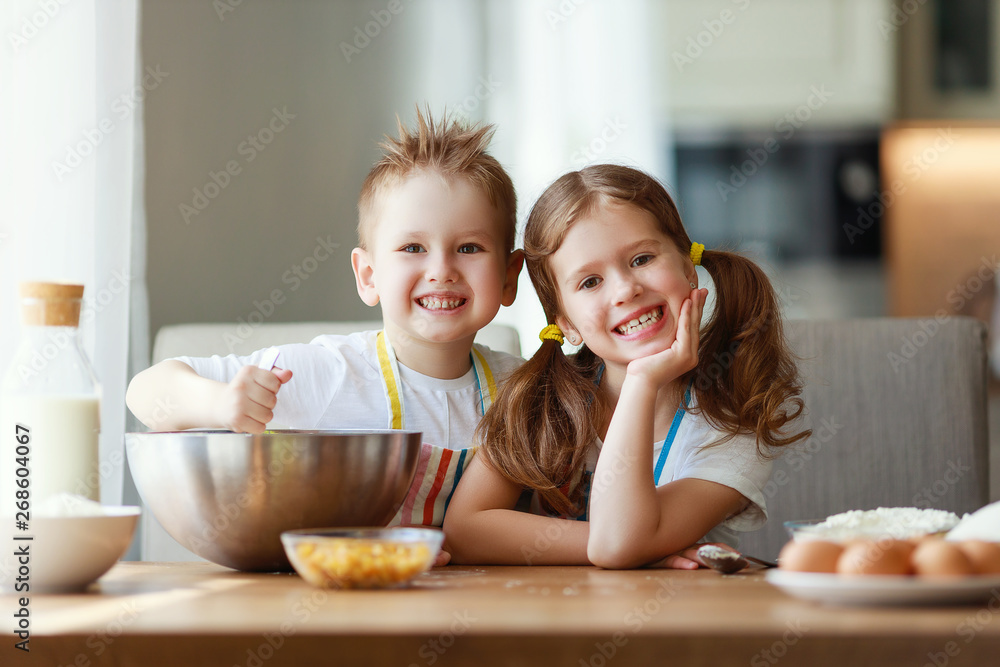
<point>228,496</point>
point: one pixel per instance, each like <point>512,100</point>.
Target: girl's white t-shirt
<point>337,384</point>
<point>735,464</point>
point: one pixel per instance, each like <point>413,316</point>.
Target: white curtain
<point>70,183</point>
<point>567,83</point>
<point>578,85</point>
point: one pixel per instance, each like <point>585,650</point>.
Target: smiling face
<point>621,283</point>
<point>438,262</point>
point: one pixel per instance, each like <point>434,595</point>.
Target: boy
<point>436,234</point>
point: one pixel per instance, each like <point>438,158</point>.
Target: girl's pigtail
<point>746,378</point>
<point>538,431</point>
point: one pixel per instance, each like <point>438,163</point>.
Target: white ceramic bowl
<point>66,554</point>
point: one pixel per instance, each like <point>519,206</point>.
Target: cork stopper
<point>50,304</point>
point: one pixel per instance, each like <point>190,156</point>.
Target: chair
<point>899,419</point>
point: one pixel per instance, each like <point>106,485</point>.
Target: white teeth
<point>641,322</point>
<point>438,304</point>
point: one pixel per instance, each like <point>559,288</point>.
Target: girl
<point>665,434</point>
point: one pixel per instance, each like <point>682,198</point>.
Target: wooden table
<point>197,613</point>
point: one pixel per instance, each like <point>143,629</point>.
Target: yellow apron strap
<point>390,380</point>
<point>486,386</point>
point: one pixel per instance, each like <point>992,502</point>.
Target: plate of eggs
<point>891,556</point>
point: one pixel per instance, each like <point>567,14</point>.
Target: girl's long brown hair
<point>547,415</point>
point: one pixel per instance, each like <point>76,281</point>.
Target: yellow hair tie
<point>552,332</point>
<point>696,251</point>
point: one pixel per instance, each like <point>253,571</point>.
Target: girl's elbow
<point>459,557</point>
<point>613,555</point>
<point>456,539</point>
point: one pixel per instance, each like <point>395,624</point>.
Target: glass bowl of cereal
<point>361,557</point>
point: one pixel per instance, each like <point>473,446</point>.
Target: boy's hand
<point>245,405</point>
<point>682,355</point>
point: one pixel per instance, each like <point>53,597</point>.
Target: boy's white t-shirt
<point>337,384</point>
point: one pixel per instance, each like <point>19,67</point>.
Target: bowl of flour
<point>68,543</point>
<point>900,523</point>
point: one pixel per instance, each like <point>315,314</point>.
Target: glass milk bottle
<point>50,394</point>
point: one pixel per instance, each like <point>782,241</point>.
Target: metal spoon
<point>727,561</point>
<point>267,362</point>
<point>269,358</point>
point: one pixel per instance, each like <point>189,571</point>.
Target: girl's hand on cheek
<point>682,355</point>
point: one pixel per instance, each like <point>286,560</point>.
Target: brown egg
<point>905,548</point>
<point>985,556</point>
<point>889,557</point>
<point>936,557</point>
<point>810,556</point>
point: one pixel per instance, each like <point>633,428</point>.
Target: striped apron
<point>438,469</point>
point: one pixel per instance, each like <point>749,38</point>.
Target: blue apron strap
<point>586,481</point>
<point>669,440</point>
<point>599,375</point>
<point>463,460</point>
<point>486,386</point>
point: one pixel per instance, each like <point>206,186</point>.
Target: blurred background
<point>766,119</point>
<point>851,146</point>
<point>212,167</point>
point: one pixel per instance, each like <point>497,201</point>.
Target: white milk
<point>63,454</point>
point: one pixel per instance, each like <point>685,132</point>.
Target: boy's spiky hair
<point>450,148</point>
